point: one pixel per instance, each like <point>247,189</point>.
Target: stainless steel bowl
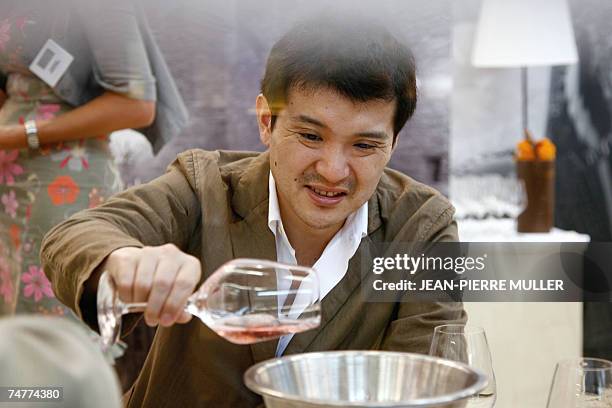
<point>363,379</point>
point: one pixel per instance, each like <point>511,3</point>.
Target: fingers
<point>184,317</point>
<point>121,265</point>
<point>165,274</point>
<point>184,284</point>
<point>143,278</point>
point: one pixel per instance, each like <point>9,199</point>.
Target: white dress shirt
<point>333,262</point>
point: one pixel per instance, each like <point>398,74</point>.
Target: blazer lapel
<point>250,236</point>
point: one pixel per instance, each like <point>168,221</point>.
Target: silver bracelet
<point>32,134</point>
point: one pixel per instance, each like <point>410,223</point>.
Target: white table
<point>526,339</point>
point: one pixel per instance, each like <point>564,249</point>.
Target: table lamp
<point>523,33</point>
<point>519,34</point>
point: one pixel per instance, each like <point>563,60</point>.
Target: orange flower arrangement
<point>542,150</point>
<point>63,190</point>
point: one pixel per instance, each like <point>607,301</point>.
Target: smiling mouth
<point>324,193</point>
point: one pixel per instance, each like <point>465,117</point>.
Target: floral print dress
<point>39,189</point>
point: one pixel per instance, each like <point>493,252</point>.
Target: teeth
<point>326,193</point>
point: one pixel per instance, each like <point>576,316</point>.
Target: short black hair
<point>358,58</point>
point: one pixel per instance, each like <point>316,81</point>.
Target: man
<point>334,98</point>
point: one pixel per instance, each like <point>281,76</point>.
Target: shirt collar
<point>273,208</point>
<point>355,227</point>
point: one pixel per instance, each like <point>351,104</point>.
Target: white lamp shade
<point>516,33</point>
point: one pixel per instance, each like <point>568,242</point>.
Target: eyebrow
<point>308,119</point>
<point>373,134</point>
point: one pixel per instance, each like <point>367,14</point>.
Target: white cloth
<point>333,263</point>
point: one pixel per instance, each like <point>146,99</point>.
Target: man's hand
<point>162,276</point>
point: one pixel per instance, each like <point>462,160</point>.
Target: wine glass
<point>245,301</point>
<point>468,345</point>
<point>488,195</point>
<point>581,383</point>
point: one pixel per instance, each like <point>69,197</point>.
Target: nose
<point>333,165</point>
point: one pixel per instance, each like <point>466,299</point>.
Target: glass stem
<point>134,307</point>
<point>139,307</point>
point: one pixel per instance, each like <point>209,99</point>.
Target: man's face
<point>327,154</point>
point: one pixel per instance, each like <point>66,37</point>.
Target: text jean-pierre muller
<point>472,285</point>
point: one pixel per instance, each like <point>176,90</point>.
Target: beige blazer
<point>214,205</point>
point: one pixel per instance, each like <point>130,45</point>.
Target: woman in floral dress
<point>73,169</point>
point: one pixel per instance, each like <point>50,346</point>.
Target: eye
<point>365,146</point>
<point>310,137</point>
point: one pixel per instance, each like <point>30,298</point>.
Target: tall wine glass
<point>244,301</point>
<point>468,345</point>
<point>581,383</point>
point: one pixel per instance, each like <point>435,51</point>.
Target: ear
<point>264,119</point>
<point>395,143</point>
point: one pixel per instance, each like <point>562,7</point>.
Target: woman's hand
<point>101,116</point>
<point>12,137</point>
